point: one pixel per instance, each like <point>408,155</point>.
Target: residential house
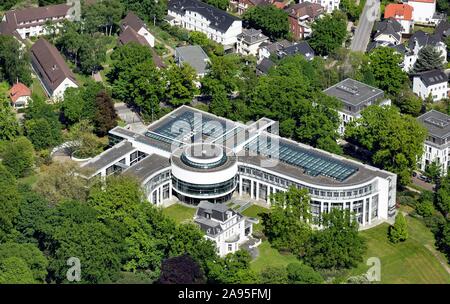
<point>329,5</point>
<point>403,13</point>
<point>195,15</point>
<point>419,40</point>
<point>264,66</point>
<point>388,31</point>
<point>20,95</point>
<point>301,16</point>
<point>249,40</point>
<point>355,97</point>
<point>194,56</point>
<point>244,5</point>
<point>431,83</point>
<point>424,11</point>
<point>30,22</point>
<point>51,69</point>
<point>437,144</point>
<point>227,228</point>
<point>285,48</point>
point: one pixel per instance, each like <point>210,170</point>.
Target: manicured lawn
<point>253,211</point>
<point>36,88</point>
<point>269,256</point>
<point>179,213</point>
<point>426,29</point>
<point>407,262</point>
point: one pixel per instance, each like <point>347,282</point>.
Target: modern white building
<point>195,15</point>
<point>249,40</point>
<point>30,22</point>
<point>355,97</point>
<point>227,228</point>
<point>424,11</point>
<point>329,5</point>
<point>437,145</point>
<point>431,83</point>
<point>195,156</point>
<point>52,70</point>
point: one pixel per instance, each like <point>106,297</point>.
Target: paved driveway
<point>369,14</point>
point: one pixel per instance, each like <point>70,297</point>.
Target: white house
<point>134,22</point>
<point>329,5</point>
<point>437,145</point>
<point>20,95</point>
<point>432,83</point>
<point>423,10</point>
<point>30,22</point>
<point>224,226</point>
<point>249,40</point>
<point>51,69</point>
<point>403,13</point>
<point>388,31</point>
<point>195,15</point>
<point>355,97</point>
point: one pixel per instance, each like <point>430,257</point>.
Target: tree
<point>103,16</point>
<point>384,64</point>
<point>181,270</point>
<point>9,127</point>
<point>443,195</point>
<point>271,20</point>
<point>30,254</point>
<point>18,156</point>
<point>433,170</point>
<point>429,58</point>
<point>328,33</point>
<point>395,140</point>
<point>14,270</point>
<point>299,273</point>
<point>148,10</point>
<point>221,4</point>
<point>409,103</point>
<point>352,10</point>
<point>41,133</point>
<point>274,275</point>
<point>287,225</point>
<point>399,231</point>
<point>181,87</point>
<point>233,269</point>
<point>443,238</point>
<point>338,245</point>
<point>9,203</point>
<point>13,62</point>
<point>105,116</point>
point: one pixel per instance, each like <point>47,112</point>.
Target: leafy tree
<point>233,269</point>
<point>443,195</point>
<point>9,127</point>
<point>41,133</point>
<point>270,19</point>
<point>33,257</point>
<point>18,156</point>
<point>425,208</point>
<point>181,87</point>
<point>299,273</point>
<point>211,47</point>
<point>395,140</point>
<point>352,9</point>
<point>148,10</point>
<point>14,270</point>
<point>9,203</point>
<point>104,16</point>
<point>428,59</point>
<point>221,4</point>
<point>443,238</point>
<point>328,33</point>
<point>433,171</point>
<point>274,275</point>
<point>105,117</point>
<point>287,225</point>
<point>338,245</point>
<point>409,103</point>
<point>384,64</point>
<point>181,270</point>
<point>7,4</point>
<point>399,231</point>
<point>13,62</point>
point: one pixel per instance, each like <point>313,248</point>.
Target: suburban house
<point>135,24</point>
<point>388,31</point>
<point>133,29</point>
<point>301,16</point>
<point>424,11</point>
<point>329,5</point>
<point>20,95</point>
<point>51,69</point>
<point>431,83</point>
<point>195,15</point>
<point>285,48</point>
<point>403,13</point>
<point>30,22</point>
<point>437,144</point>
<point>419,40</point>
<point>355,97</point>
<point>244,5</point>
<point>264,66</point>
<point>224,226</point>
<point>249,40</point>
<point>194,56</point>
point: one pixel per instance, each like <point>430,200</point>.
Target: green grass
<point>179,213</point>
<point>29,180</point>
<point>407,262</point>
<point>269,256</point>
<point>426,29</point>
<point>36,88</point>
<point>253,211</point>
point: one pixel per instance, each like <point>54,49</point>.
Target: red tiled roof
<point>279,5</point>
<point>19,90</point>
<point>402,10</point>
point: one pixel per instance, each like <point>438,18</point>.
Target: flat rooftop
<point>353,92</point>
<point>148,166</point>
<point>109,156</point>
<point>437,123</point>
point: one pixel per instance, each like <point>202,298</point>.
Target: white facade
<point>423,10</point>
<point>435,153</point>
<point>246,47</point>
<point>58,93</point>
<point>21,102</point>
<point>329,5</point>
<point>437,91</point>
<point>194,21</point>
<point>387,38</point>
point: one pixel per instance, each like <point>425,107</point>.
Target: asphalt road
<point>369,14</point>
